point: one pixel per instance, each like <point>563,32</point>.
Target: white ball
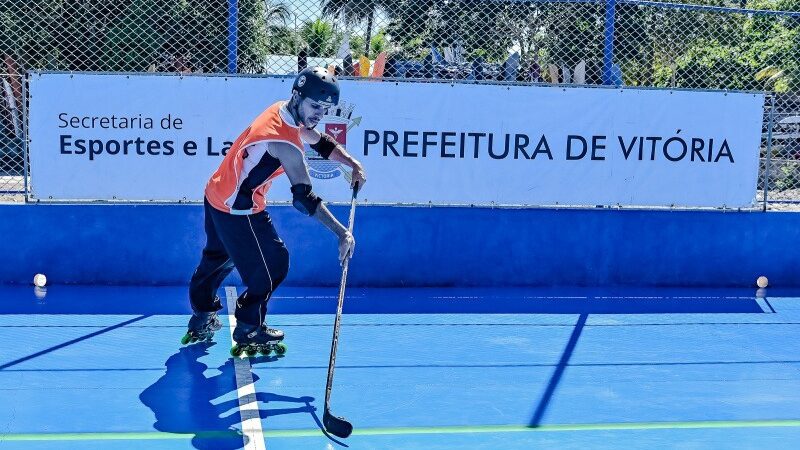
<point>762,281</point>
<point>40,280</point>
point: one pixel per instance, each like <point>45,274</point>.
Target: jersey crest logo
<point>337,122</point>
<point>336,130</point>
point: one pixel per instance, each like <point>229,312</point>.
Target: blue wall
<point>397,246</point>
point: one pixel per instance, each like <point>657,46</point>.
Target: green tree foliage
<point>378,43</point>
<point>410,26</point>
<point>134,35</point>
<point>654,46</point>
<point>318,36</point>
<point>132,43</point>
<point>355,12</point>
<point>558,33</point>
<point>710,50</point>
<point>468,24</point>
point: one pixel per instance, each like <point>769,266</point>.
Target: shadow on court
<point>615,305</point>
<point>185,400</point>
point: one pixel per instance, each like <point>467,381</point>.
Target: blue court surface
<point>102,367</point>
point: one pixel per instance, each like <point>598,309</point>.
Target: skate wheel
<point>236,350</point>
<point>185,338</point>
<point>266,351</point>
<point>280,348</point>
<point>251,352</point>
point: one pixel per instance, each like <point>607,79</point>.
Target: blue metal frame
<point>608,41</point>
<point>659,4</point>
<point>721,9</point>
<point>233,34</point>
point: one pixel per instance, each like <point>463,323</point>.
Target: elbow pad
<point>304,200</point>
<point>325,145</point>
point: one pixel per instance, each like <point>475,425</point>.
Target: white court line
<point>245,388</point>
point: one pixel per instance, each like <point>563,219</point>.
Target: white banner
<point>150,137</point>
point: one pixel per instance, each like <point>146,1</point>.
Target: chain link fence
<point>12,137</point>
<point>704,44</point>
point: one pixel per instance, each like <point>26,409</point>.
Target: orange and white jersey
<point>240,184</point>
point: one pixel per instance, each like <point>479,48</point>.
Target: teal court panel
<point>102,367</point>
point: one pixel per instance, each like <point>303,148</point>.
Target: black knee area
<point>281,266</point>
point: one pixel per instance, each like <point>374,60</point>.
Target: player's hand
<point>359,176</point>
<point>347,245</point>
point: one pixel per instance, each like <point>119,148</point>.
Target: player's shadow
<point>187,401</point>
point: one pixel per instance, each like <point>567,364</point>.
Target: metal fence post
<point>608,41</point>
<point>233,34</point>
<point>769,149</point>
<point>25,136</point>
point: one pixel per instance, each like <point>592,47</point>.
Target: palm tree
<point>276,18</point>
<point>276,12</point>
<point>318,36</point>
<point>354,11</point>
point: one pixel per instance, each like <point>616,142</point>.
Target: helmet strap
<point>294,108</point>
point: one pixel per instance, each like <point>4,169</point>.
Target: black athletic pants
<point>249,243</point>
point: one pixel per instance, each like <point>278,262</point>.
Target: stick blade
<point>337,426</point>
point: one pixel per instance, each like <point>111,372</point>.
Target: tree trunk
<point>368,34</point>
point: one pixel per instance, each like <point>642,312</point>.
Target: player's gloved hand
<point>346,246</point>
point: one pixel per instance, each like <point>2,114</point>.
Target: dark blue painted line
<point>89,326</point>
<point>144,369</point>
<point>68,343</point>
<point>522,325</point>
<point>770,305</point>
<point>445,366</point>
<point>483,305</point>
<point>534,325</point>
<point>559,365</point>
<point>559,372</point>
<point>80,300</point>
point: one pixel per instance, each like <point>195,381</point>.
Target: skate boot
<point>253,339</point>
<point>202,326</point>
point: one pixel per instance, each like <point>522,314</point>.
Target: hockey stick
<point>338,426</point>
